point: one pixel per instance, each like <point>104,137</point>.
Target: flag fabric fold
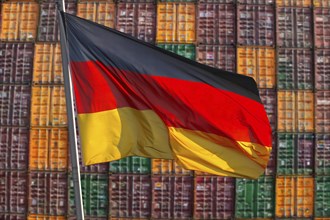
<point>134,98</point>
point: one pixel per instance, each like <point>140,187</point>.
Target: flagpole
<point>71,115</point>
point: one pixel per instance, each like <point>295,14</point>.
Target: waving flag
<point>133,98</point>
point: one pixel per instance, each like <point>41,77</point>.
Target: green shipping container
<point>185,50</point>
<point>95,195</point>
<point>322,196</point>
<point>131,165</point>
<point>255,198</point>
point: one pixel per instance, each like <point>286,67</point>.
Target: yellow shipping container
<point>100,12</point>
<point>48,149</point>
<point>259,63</point>
<point>19,21</point>
<point>45,217</point>
<point>321,3</point>
<point>294,3</point>
<point>162,166</point>
<point>47,66</point>
<point>176,23</point>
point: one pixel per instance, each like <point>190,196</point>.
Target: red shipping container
<point>137,19</point>
<point>322,27</point>
<point>216,24</point>
<point>172,197</point>
<point>13,188</point>
<point>322,111</point>
<point>322,69</point>
<point>130,196</point>
<point>4,216</point>
<point>221,57</point>
<point>322,155</point>
<point>255,25</point>
<point>15,105</point>
<point>14,145</point>
<point>268,98</point>
<point>214,197</point>
<point>48,193</point>
<point>16,61</point>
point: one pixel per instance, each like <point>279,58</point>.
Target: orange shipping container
<point>19,21</point>
<point>162,166</point>
<point>46,217</point>
<point>100,12</point>
<point>321,3</point>
<point>294,196</point>
<point>48,106</point>
<point>176,23</point>
<point>48,149</point>
<point>259,63</point>
<point>294,3</point>
<point>47,66</point>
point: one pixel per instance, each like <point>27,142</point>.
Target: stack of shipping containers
<point>283,44</point>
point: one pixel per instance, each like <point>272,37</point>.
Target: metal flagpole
<point>71,115</point>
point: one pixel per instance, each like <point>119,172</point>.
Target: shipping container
<point>13,188</point>
<point>322,155</point>
<point>255,2</point>
<point>130,196</point>
<point>14,145</point>
<point>48,106</point>
<point>48,149</point>
<point>164,167</point>
<point>214,197</point>
<point>45,217</point>
<point>294,68</point>
<point>48,193</point>
<point>47,66</point>
<point>137,19</point>
<point>216,23</point>
<point>48,26</point>
<point>294,197</point>
<point>172,197</point>
<point>19,21</point>
<point>15,105</point>
<point>95,198</point>
<point>322,68</point>
<point>100,12</point>
<point>268,98</point>
<point>322,111</point>
<point>322,196</point>
<point>255,25</point>
<point>176,23</point>
<point>16,61</point>
<point>5,216</point>
<point>255,198</point>
<point>259,63</point>
<point>185,50</point>
<point>131,164</point>
<point>321,3</point>
<point>294,3</point>
<point>322,27</point>
<point>218,1</point>
<point>294,27</point>
<point>271,166</point>
<point>295,111</point>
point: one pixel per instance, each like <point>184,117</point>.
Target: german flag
<point>134,98</point>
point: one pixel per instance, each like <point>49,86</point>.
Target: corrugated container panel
<point>294,27</point>
<point>322,68</point>
<point>48,106</point>
<point>321,3</point>
<point>46,217</point>
<point>100,12</point>
<point>48,26</point>
<point>176,23</point>
<point>14,142</point>
<point>255,198</point>
<point>48,149</point>
<point>216,23</point>
<point>16,61</point>
<point>255,2</point>
<point>218,1</point>
<point>295,154</point>
<point>130,196</point>
<point>13,188</point>
<point>137,19</point>
<point>295,111</point>
<point>294,69</point>
<point>268,98</point>
<point>221,57</point>
<point>94,194</point>
<point>162,166</point>
<point>5,216</point>
<point>19,21</point>
<point>294,196</point>
<point>172,197</point>
<point>294,3</point>
<point>255,25</point>
<point>136,1</point>
<point>130,165</point>
<point>322,196</point>
<point>322,111</point>
<point>271,166</point>
<point>14,102</point>
<point>322,155</point>
<point>47,66</point>
<point>185,50</point>
<point>322,27</point>
<point>259,63</point>
<point>214,197</point>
